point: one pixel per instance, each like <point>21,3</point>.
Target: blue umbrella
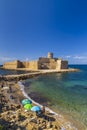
<point>35,108</point>
<point>26,101</point>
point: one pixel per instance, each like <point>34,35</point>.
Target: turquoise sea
<point>64,92</point>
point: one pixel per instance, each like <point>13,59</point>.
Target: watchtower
<point>50,55</point>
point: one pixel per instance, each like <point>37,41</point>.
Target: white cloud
<point>80,57</point>
<point>27,59</point>
<point>68,56</point>
<point>77,59</point>
<point>6,59</point>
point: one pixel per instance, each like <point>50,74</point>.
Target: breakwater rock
<point>33,74</point>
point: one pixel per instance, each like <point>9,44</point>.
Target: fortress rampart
<point>41,63</point>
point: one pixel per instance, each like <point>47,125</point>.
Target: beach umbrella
<point>35,108</point>
<point>28,106</point>
<point>26,101</point>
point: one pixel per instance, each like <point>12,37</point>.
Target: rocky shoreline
<point>14,117</point>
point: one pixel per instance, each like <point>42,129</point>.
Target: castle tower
<point>50,55</point>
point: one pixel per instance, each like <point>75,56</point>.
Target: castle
<point>48,62</point>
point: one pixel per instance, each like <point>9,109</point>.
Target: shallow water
<point>12,72</point>
<point>64,92</point>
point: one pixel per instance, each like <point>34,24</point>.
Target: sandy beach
<point>13,115</point>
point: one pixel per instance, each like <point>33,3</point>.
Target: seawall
<point>33,74</point>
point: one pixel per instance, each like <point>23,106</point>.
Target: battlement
<point>41,63</point>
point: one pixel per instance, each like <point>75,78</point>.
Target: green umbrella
<point>28,106</point>
<point>26,101</point>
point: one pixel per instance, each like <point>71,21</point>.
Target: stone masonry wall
<point>12,65</point>
<point>64,64</point>
<point>33,65</point>
<point>47,63</point>
<point>25,64</point>
<point>42,63</point>
<point>61,64</point>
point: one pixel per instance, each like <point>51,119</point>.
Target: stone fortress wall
<point>12,65</point>
<point>42,63</point>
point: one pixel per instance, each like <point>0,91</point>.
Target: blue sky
<point>32,28</point>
